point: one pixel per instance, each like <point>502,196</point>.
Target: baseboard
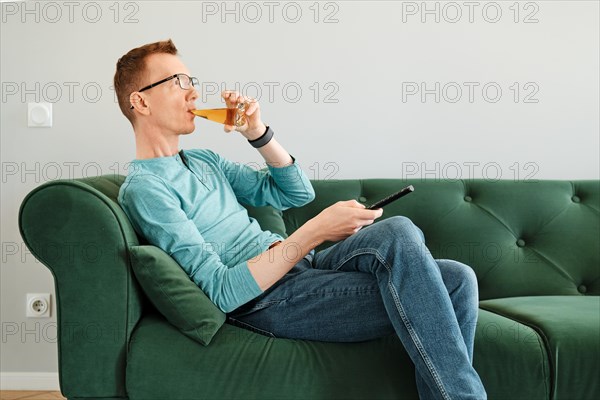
<point>29,381</point>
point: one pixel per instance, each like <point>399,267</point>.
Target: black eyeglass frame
<point>193,82</point>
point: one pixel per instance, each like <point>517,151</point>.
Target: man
<point>375,281</point>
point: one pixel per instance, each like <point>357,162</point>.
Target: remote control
<point>391,198</point>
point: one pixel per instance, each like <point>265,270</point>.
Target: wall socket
<point>38,305</point>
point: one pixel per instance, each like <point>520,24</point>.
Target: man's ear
<point>138,102</point>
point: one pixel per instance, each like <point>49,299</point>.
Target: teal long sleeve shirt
<point>194,214</point>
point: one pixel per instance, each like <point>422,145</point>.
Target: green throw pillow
<point>174,294</point>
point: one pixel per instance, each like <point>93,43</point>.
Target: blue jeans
<point>378,281</point>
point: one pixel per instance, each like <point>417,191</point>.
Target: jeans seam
<point>338,293</point>
<point>422,351</point>
<point>245,325</point>
<point>400,310</point>
<point>264,304</point>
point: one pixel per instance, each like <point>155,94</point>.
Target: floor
<point>29,395</point>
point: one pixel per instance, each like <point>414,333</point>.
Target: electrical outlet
<point>38,305</point>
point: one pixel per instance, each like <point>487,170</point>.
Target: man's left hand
<point>254,127</point>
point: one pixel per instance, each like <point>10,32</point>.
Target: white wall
<point>362,123</point>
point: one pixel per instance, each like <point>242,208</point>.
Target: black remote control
<point>391,198</point>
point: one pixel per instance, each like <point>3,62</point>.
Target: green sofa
<point>534,246</point>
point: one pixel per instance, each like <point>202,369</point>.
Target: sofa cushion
<point>240,364</point>
<point>570,329</point>
<point>174,294</point>
<point>510,358</point>
<point>300,369</point>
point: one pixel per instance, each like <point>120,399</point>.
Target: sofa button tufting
<point>362,199</point>
<point>582,289</point>
<point>468,198</point>
<point>575,199</point>
<point>520,243</point>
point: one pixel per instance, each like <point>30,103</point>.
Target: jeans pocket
<point>247,326</point>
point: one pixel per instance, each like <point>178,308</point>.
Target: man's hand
<point>254,127</point>
<point>343,219</point>
<point>336,222</point>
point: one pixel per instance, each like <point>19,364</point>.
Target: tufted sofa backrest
<point>522,238</point>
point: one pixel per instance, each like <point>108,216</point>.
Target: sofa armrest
<point>77,229</point>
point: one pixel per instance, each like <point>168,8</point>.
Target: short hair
<point>130,71</point>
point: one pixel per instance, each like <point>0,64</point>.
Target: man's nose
<point>193,95</point>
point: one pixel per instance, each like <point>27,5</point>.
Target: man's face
<point>169,105</point>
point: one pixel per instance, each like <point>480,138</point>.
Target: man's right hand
<point>343,219</point>
<point>334,223</point>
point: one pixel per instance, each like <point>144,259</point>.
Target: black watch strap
<point>264,139</point>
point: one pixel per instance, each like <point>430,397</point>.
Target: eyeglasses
<point>186,82</point>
